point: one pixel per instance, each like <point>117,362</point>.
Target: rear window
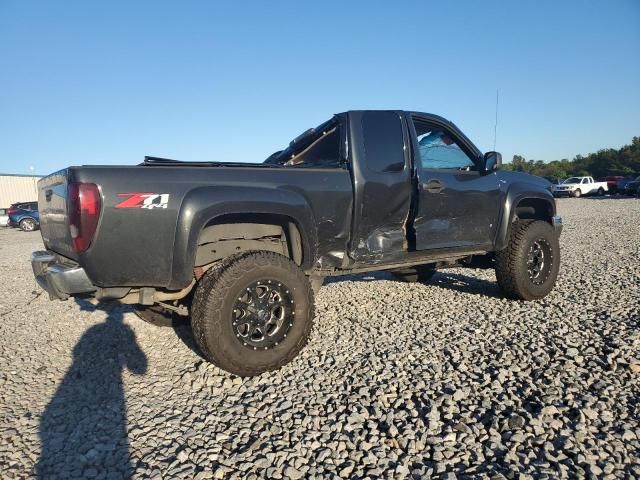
<point>324,152</point>
<point>383,142</point>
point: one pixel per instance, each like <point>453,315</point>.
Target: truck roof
<point>432,116</point>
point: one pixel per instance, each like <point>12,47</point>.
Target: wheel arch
<point>257,208</point>
<point>523,203</point>
<point>230,234</point>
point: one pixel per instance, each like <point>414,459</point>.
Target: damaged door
<point>458,203</point>
<point>381,184</point>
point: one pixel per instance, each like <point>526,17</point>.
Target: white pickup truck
<point>579,186</point>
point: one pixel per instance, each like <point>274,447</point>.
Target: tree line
<point>607,162</point>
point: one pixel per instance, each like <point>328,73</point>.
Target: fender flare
<point>203,205</point>
<point>517,192</point>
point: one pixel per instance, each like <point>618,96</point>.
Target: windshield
<point>301,142</point>
<point>573,180</point>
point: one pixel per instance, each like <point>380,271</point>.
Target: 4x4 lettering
<point>146,200</point>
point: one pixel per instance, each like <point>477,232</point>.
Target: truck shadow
<point>443,279</point>
<point>185,334</point>
<point>83,429</point>
<point>466,284</point>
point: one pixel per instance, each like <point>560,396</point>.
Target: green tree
<point>603,163</point>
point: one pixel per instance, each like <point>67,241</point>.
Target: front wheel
<point>577,193</point>
<point>252,313</point>
<point>528,267</point>
<point>28,224</point>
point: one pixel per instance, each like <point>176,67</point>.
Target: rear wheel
<point>28,224</point>
<point>600,191</point>
<point>528,267</point>
<point>252,313</point>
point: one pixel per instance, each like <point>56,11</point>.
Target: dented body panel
<point>382,198</point>
<point>375,207</point>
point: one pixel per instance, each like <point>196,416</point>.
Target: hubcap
<point>539,261</point>
<point>263,314</point>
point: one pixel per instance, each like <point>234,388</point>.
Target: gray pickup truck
<point>241,248</point>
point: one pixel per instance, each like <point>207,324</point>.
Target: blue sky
<point>109,82</point>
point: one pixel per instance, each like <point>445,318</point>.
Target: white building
<point>18,188</point>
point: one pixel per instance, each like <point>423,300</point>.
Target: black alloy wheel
<point>539,261</point>
<point>263,315</point>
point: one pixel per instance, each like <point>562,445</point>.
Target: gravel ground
<point>443,379</point>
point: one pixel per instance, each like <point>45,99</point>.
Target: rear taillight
<point>84,212</point>
<point>11,211</point>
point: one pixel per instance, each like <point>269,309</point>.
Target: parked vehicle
<point>612,182</point>
<point>4,217</point>
<point>579,186</point>
<point>554,180</point>
<point>632,188</point>
<point>24,215</point>
<point>622,183</point>
<point>242,248</point>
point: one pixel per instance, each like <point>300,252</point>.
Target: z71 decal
<point>144,200</point>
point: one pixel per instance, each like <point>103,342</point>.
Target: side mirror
<point>492,161</point>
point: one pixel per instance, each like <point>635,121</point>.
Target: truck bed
<point>133,246</point>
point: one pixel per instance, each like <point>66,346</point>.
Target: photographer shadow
<point>83,429</point>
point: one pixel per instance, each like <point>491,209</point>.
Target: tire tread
<point>220,279</point>
<point>507,262</point>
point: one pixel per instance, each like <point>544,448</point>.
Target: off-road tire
<point>420,273</point>
<point>28,225</point>
<point>213,305</point>
<point>511,262</point>
<point>577,193</point>
<point>159,317</point>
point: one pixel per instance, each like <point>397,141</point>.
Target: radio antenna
<point>495,125</point>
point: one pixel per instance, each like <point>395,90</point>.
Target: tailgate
<point>52,205</point>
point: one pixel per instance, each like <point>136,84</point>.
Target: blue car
<point>623,183</point>
<point>24,215</point>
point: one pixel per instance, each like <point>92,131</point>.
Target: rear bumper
<point>60,280</point>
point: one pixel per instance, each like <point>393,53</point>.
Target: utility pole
<point>495,125</point>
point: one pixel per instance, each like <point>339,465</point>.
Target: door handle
<point>433,186</point>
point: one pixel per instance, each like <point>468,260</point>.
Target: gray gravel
<point>443,379</point>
